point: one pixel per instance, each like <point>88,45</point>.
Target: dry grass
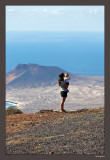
<point>75,134</point>
<point>24,140</point>
<point>37,147</point>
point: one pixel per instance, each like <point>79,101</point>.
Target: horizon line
<point>55,31</point>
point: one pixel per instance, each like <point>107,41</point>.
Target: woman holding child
<point>63,82</point>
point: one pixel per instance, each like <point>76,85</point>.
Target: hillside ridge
<point>34,75</point>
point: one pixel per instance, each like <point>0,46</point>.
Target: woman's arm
<point>65,85</point>
<point>59,82</point>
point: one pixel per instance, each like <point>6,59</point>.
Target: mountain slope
<point>32,75</point>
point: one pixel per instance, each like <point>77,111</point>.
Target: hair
<point>66,74</point>
<point>61,75</point>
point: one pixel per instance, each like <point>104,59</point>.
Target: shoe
<point>63,111</point>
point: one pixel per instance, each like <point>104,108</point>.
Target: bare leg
<point>62,103</point>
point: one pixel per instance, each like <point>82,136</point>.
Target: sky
<point>54,18</point>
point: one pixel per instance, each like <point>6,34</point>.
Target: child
<point>66,79</point>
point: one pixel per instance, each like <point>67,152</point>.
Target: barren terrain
<point>50,132</point>
<point>31,100</point>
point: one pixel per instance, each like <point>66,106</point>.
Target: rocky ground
<point>50,132</point>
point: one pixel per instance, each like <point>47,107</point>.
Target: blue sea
<point>76,52</point>
<point>8,104</point>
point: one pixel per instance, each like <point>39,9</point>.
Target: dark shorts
<point>63,93</point>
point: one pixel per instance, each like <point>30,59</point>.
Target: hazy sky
<point>54,18</point>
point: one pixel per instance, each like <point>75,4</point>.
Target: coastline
<point>10,103</point>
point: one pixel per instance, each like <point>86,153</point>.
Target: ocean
<point>8,104</point>
<point>76,52</point>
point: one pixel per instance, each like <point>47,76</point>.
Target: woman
<point>64,90</point>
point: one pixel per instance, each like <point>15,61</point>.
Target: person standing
<point>64,90</point>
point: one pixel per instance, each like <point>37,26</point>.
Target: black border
<point>3,3</point>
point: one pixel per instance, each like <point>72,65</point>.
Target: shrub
<point>11,111</point>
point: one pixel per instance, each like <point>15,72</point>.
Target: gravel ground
<point>83,134</point>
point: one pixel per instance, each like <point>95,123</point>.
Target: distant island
<point>32,75</point>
